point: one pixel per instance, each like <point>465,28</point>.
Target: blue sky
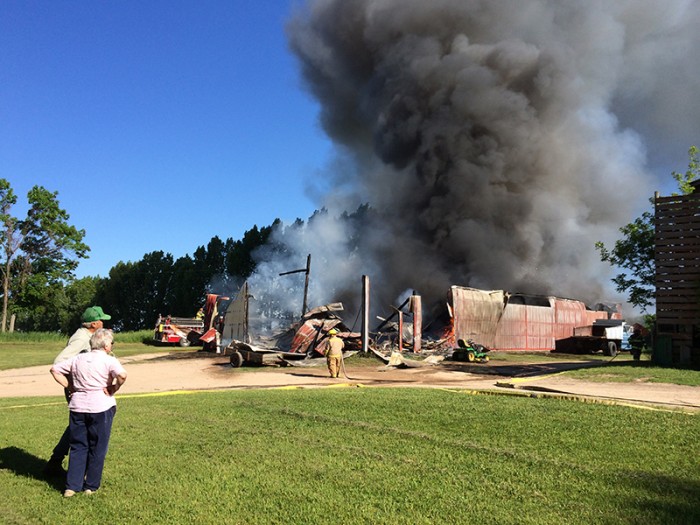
<point>160,123</point>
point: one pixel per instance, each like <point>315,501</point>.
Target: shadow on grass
<point>519,369</point>
<point>28,465</point>
<point>667,499</point>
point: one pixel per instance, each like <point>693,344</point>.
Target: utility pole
<point>307,271</point>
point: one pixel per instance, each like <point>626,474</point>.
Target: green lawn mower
<point>470,351</point>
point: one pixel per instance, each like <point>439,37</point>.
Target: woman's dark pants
<point>89,440</point>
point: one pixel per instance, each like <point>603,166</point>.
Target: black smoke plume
<point>494,140</point>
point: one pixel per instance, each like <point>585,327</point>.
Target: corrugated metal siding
<point>482,316</point>
<point>591,316</point>
<point>511,332</point>
<point>234,319</point>
<point>306,335</point>
<point>476,314</point>
<point>568,315</point>
<point>312,333</point>
<point>540,328</point>
<point>526,328</point>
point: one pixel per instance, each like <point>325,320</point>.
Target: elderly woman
<point>93,378</point>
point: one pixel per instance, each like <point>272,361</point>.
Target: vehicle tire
<point>486,359</point>
<point>612,349</point>
<point>184,342</point>
<point>470,356</point>
<point>236,360</point>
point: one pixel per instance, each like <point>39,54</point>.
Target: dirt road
<point>164,373</point>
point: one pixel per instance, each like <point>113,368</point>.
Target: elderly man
<point>92,320</point>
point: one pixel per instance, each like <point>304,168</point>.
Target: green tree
<point>240,263</point>
<point>685,180</point>
<point>39,252</point>
<point>185,293</point>
<point>135,293</point>
<point>79,295</point>
<point>634,253</point>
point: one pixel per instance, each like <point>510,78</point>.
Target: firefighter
<point>200,314</point>
<point>334,352</point>
<point>637,341</point>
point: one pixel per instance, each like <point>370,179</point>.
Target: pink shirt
<point>91,372</point>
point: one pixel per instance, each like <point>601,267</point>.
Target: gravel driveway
<point>153,373</point>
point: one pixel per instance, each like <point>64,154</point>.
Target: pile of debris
<point>309,336</point>
<point>304,343</point>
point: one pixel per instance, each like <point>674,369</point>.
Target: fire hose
<point>342,366</point>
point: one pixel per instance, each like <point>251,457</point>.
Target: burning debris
<point>305,339</point>
<point>471,323</point>
<point>311,334</point>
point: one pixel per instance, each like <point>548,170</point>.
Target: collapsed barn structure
<point>518,322</point>
<point>302,340</point>
<point>497,319</point>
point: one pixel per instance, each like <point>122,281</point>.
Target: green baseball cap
<point>94,313</point>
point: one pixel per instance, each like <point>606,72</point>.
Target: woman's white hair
<point>101,338</point>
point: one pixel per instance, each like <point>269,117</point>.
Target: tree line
<point>40,253</point>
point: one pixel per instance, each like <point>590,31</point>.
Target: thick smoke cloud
<point>496,140</point>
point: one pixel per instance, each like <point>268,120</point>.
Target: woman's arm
<point>119,380</point>
<point>60,378</point>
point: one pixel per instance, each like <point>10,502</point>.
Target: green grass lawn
<point>361,455</point>
<point>22,350</point>
<point>622,368</point>
<point>642,371</point>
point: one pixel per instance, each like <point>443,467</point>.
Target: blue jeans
<point>89,440</point>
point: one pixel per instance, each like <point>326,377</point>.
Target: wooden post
<point>246,335</point>
<point>400,338</point>
<point>391,316</point>
<point>417,310</point>
<point>307,271</point>
<point>365,313</point>
<point>306,284</point>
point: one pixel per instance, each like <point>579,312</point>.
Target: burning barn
<point>519,322</point>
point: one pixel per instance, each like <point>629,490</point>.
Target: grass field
<point>644,371</point>
<point>22,350</point>
<point>361,455</point>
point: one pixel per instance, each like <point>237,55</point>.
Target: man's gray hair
<point>101,338</point>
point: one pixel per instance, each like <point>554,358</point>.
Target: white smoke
<point>495,140</point>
